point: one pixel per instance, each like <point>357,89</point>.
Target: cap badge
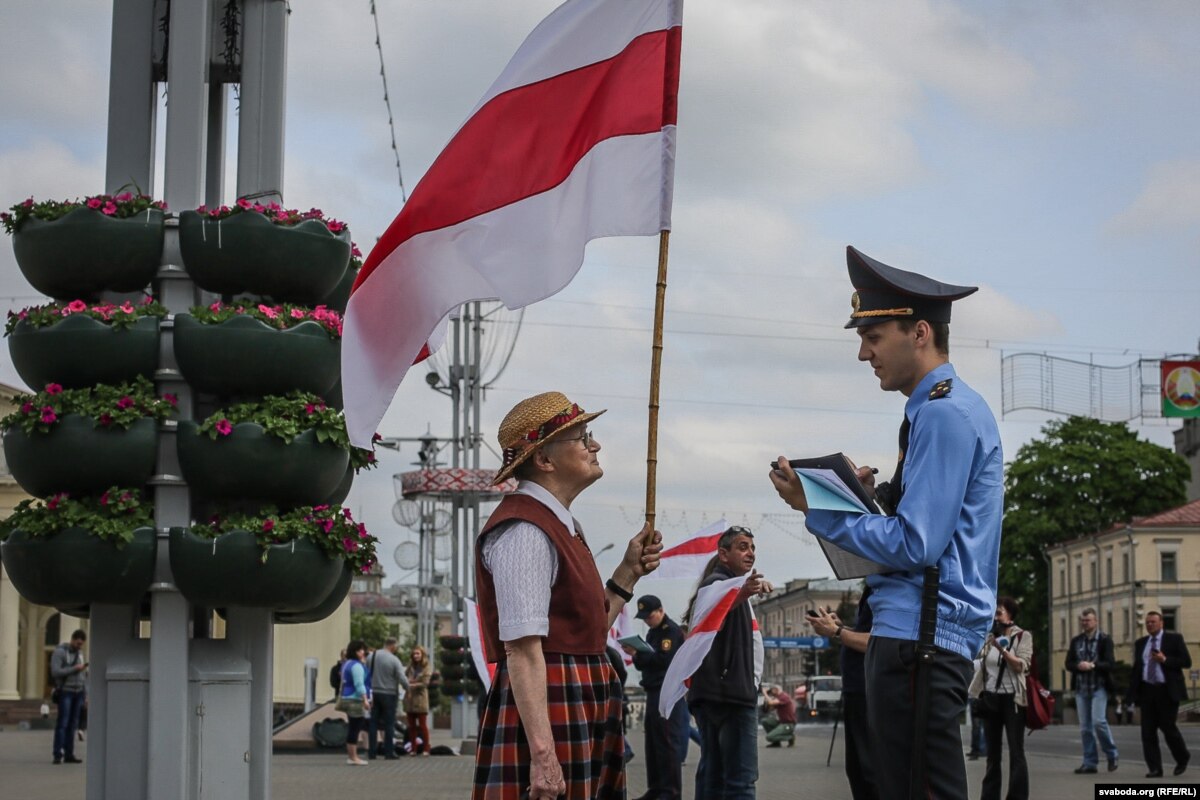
<point>855,301</point>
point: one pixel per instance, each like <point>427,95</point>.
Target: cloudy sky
<point>1046,152</point>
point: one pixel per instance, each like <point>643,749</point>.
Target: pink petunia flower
<point>269,312</point>
<point>321,507</point>
<point>124,197</point>
<point>297,313</point>
<point>106,419</point>
<point>215,307</point>
<point>309,408</point>
<point>125,402</point>
<point>349,544</point>
<point>104,499</point>
<point>127,307</point>
<point>53,502</point>
<point>268,525</point>
<point>94,202</point>
<point>54,388</point>
<point>109,208</point>
<point>224,427</point>
<point>244,204</point>
<point>48,415</point>
<point>75,306</point>
<point>27,407</point>
<point>172,399</point>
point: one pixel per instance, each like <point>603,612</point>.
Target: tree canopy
<point>1082,477</point>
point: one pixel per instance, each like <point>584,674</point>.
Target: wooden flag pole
<point>660,301</point>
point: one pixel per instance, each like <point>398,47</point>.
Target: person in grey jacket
<point>67,667</point>
<point>387,683</point>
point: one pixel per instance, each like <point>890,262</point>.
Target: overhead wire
<point>387,101</point>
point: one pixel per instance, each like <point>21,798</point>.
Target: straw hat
<point>533,422</point>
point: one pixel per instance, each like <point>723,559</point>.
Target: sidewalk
<point>797,773</point>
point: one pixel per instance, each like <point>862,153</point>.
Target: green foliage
<point>119,317</point>
<point>280,317</point>
<point>332,528</point>
<point>1081,478</point>
<point>286,417</point>
<point>112,516</point>
<point>272,211</point>
<point>107,405</point>
<point>372,628</point>
<point>118,206</point>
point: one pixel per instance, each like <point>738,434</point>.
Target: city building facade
<point>1149,564</point>
<point>781,613</point>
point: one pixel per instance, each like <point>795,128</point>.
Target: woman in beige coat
<point>416,702</point>
<point>999,684</point>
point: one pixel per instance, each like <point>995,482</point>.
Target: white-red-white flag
<point>574,141</point>
<point>479,655</point>
<point>622,626</point>
<point>713,604</point>
<point>689,558</point>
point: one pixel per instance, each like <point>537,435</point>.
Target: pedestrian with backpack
<point>999,684</point>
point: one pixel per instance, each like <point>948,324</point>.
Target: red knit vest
<point>578,607</point>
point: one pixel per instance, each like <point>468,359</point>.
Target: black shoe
<point>1085,770</point>
<point>775,744</point>
<point>1179,768</point>
<point>72,760</point>
<point>792,742</point>
<point>1154,773</point>
<point>58,759</point>
<point>1112,765</point>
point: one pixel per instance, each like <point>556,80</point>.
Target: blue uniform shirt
<point>949,514</point>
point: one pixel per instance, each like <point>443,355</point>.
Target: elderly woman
<point>416,701</point>
<point>552,725</point>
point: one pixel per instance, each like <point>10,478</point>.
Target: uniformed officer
<point>945,503</point>
<point>666,740</point>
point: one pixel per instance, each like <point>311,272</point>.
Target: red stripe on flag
<point>529,139</point>
<point>714,619</point>
<point>700,546</point>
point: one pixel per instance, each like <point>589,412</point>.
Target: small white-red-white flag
<point>622,626</point>
<point>479,655</point>
<point>713,604</point>
<point>574,141</point>
<point>689,558</point>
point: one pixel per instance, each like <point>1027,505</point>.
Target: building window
<point>1078,576</point>
<point>1108,581</point>
<point>1095,570</point>
<point>1108,621</point>
<point>1125,625</point>
<point>1125,567</point>
<point>1170,618</point>
<point>1062,629</point>
<point>1166,567</point>
<point>1062,581</point>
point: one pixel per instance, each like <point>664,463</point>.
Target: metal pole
<point>263,96</point>
<point>132,109</point>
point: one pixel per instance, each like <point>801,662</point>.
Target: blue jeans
<point>728,751</point>
<point>1093,724</point>
<point>69,708</point>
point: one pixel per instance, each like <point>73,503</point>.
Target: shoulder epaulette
<point>941,389</point>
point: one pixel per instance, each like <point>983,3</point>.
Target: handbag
<point>1039,708</point>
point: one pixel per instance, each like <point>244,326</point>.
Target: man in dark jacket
<point>724,692</point>
<point>67,668</point>
<point>1090,662</point>
<point>1156,684</point>
<point>666,739</point>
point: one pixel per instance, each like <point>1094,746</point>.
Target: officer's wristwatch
<point>838,633</point>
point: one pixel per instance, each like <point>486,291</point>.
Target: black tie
<point>888,494</point>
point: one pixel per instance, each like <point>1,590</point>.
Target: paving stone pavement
<point>792,773</point>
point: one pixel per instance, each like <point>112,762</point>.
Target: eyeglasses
<point>585,437</point>
<point>738,530</point>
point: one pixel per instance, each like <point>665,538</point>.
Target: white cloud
<point>1169,201</point>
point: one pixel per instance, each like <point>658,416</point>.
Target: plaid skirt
<point>584,702</point>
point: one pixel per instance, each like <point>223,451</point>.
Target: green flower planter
<point>73,568</point>
<point>84,253</point>
<point>250,465</point>
<point>81,351</point>
<point>247,253</point>
<point>79,458</point>
<point>340,296</point>
<point>343,489</point>
<point>243,356</point>
<point>323,609</point>
<point>229,571</point>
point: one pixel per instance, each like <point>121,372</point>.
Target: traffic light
<point>457,669</point>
